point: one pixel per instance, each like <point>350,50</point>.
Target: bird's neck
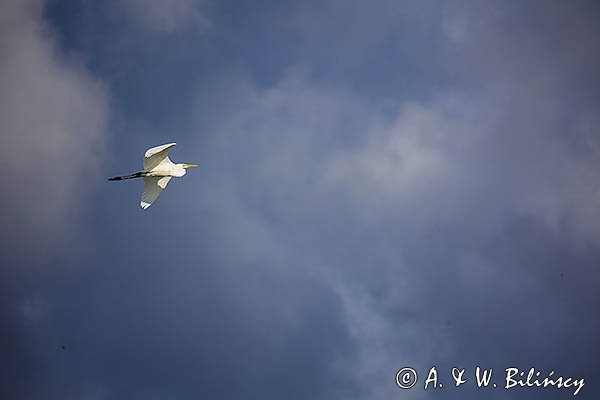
<point>180,170</point>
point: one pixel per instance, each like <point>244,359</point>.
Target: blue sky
<point>381,184</point>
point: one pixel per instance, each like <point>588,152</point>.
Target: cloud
<point>300,175</point>
<point>165,16</point>
<point>54,121</point>
<point>335,234</point>
<point>444,199</point>
<point>398,159</point>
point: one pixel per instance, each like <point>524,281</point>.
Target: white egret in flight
<point>158,171</point>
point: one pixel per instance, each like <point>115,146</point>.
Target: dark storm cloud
<point>348,219</point>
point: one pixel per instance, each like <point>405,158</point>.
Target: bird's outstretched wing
<point>156,155</point>
<point>153,186</point>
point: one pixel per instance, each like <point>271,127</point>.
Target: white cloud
<point>383,345</point>
<point>53,117</point>
<point>165,16</point>
<point>299,164</point>
<point>283,166</point>
<point>397,159</point>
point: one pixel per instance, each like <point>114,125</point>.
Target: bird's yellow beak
<point>190,165</point>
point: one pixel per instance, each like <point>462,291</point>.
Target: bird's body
<point>158,171</point>
<point>167,168</point>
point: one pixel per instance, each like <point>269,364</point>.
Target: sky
<point>382,184</point>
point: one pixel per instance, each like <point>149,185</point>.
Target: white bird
<point>158,171</point>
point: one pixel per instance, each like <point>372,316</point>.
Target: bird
<point>158,171</point>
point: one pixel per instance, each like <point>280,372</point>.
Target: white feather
<point>156,155</point>
<point>153,187</point>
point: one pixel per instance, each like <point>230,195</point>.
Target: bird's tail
<point>120,178</point>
